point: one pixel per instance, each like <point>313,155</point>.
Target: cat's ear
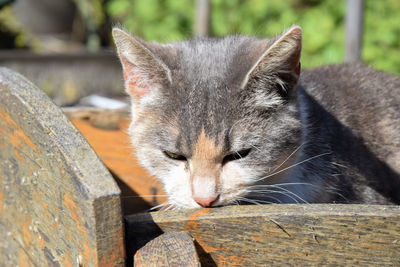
<point>143,71</point>
<point>279,64</point>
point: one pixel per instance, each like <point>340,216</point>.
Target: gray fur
<point>344,120</point>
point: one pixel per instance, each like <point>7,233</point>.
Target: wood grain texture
<point>106,131</point>
<point>169,249</point>
<point>281,235</point>
<point>59,206</point>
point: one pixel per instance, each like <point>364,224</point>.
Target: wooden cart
<point>60,205</point>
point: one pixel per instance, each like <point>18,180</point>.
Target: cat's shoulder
<point>350,73</point>
<point>359,69</point>
<point>349,79</point>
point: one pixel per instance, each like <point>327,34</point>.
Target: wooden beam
<point>277,235</point>
<point>59,206</point>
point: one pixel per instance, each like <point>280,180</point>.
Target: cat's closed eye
<point>236,155</point>
<point>174,156</point>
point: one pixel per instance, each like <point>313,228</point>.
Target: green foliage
<point>155,20</point>
<point>322,23</point>
<point>94,16</point>
<point>382,35</point>
<point>91,10</point>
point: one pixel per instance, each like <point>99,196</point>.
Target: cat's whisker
<point>265,186</point>
<point>235,202</point>
<point>281,184</point>
<point>160,205</point>
<point>276,199</point>
<point>294,165</point>
<point>331,189</point>
<point>292,193</point>
<point>291,154</point>
<point>286,191</point>
<point>240,156</point>
<point>253,146</point>
<point>144,196</point>
<point>338,164</point>
<point>336,191</point>
<point>169,208</point>
<point>289,194</point>
<point>263,193</point>
<point>254,201</point>
<point>243,199</point>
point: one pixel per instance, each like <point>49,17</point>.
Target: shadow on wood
<point>131,202</point>
<point>140,232</point>
<point>107,132</point>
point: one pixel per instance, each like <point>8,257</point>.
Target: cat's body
<point>223,121</point>
<point>352,113</point>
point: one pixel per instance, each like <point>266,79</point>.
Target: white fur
<point>234,178</point>
<point>204,187</point>
<point>177,186</point>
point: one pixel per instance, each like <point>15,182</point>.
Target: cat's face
<point>210,118</point>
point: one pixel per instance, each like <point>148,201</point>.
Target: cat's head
<point>211,117</point>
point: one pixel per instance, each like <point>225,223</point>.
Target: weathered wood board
<point>107,132</point>
<point>59,206</point>
<point>169,249</point>
<point>280,235</point>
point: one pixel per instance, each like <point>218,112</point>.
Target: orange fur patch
<point>206,148</point>
<point>206,157</point>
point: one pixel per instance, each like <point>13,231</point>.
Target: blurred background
<point>65,46</point>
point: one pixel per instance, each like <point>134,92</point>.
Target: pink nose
<point>205,202</point>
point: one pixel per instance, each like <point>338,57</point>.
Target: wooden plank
<point>169,249</point>
<point>59,206</point>
<point>107,132</point>
<point>277,235</point>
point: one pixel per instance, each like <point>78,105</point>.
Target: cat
<point>234,120</point>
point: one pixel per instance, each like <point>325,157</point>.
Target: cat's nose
<point>205,202</point>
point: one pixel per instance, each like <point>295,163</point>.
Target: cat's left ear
<point>143,71</point>
<point>279,65</point>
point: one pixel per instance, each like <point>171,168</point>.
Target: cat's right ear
<point>143,71</point>
<point>279,64</point>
